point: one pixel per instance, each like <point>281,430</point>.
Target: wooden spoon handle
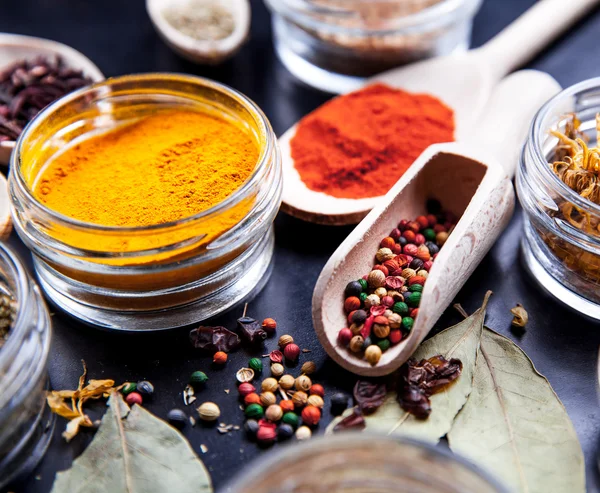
<point>530,33</point>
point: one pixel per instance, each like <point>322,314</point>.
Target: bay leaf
<point>459,341</point>
<point>514,424</point>
<point>134,452</point>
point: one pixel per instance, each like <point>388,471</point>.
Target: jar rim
<point>237,195</point>
<point>435,15</point>
<point>23,298</point>
<point>537,133</point>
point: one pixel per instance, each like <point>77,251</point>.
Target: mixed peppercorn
<point>382,306</point>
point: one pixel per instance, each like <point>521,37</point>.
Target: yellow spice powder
<point>162,168</point>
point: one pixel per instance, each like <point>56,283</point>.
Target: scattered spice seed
<point>284,340</point>
<point>203,448</point>
<point>309,367</point>
<point>256,365</point>
<point>269,325</point>
<point>276,356</point>
<point>303,433</point>
<point>520,316</point>
<point>134,398</point>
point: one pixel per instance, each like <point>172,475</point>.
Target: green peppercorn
<point>129,387</point>
<point>255,411</point>
<point>291,419</point>
<point>429,234</point>
<point>364,284</point>
<point>416,288</point>
<point>414,300</point>
<point>255,364</point>
<point>407,324</point>
<point>400,308</point>
<point>198,379</point>
<point>384,344</point>
<point>363,297</point>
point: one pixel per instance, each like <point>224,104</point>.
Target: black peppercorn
<point>353,288</point>
<point>251,426</point>
<point>402,241</point>
<point>339,403</point>
<point>177,418</point>
<point>367,342</point>
<point>433,248</point>
<point>416,264</point>
<point>146,389</point>
<point>359,317</point>
<point>285,431</point>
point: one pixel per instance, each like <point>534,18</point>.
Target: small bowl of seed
<point>202,31</point>
<point>35,72</point>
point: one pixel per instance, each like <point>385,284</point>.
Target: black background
<point>118,36</point>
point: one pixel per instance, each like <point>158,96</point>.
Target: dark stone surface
<point>118,36</point>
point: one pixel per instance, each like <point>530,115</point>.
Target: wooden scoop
<point>463,81</point>
<point>473,180</point>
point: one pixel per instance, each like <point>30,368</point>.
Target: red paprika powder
<point>360,144</point>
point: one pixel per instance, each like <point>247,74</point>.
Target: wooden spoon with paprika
<point>473,181</point>
<point>463,81</point>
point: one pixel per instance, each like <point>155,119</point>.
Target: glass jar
<point>359,462</point>
<point>147,277</point>
<point>334,45</point>
<point>562,257</point>
<point>26,423</point>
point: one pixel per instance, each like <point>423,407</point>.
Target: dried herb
<point>27,86</point>
<point>520,316</point>
<point>69,403</point>
<point>214,339</point>
<point>351,419</point>
<point>369,395</point>
<point>133,450</point>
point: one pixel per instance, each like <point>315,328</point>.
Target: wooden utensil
<point>5,218</point>
<point>463,81</point>
<point>473,180</point>
<point>14,47</point>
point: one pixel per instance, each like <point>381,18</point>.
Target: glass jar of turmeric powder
<point>148,200</point>
<point>561,244</point>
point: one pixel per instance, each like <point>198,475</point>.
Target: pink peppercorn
<point>410,249</point>
<point>395,234</point>
<point>432,220</point>
<point>396,249</point>
<point>409,236</point>
<point>439,228</point>
<point>246,388</point>
<point>387,301</point>
<point>419,239</point>
<point>291,352</point>
<point>402,224</point>
<point>133,398</point>
<point>413,226</point>
<point>427,265</point>
<point>344,336</point>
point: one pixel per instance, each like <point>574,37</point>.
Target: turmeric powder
<point>162,168</point>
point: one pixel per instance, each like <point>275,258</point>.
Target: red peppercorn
<point>395,234</point>
<point>317,389</point>
<point>419,239</point>
<point>311,415</point>
<point>352,303</point>
<point>414,226</point>
<point>423,253</point>
<point>402,224</point>
<point>423,221</point>
<point>269,325</point>
<point>246,388</point>
<point>133,398</point>
<point>366,330</point>
<point>395,336</point>
<point>350,315</point>
<point>387,301</point>
<point>432,220</point>
<point>291,352</point>
<point>344,336</point>
<point>416,280</point>
<point>448,225</point>
<point>427,265</point>
<point>252,398</point>
<point>382,269</point>
<point>387,242</point>
<point>287,405</point>
<point>365,277</point>
<point>266,435</point>
<point>409,235</point>
<point>220,358</point>
<point>276,356</point>
<point>414,312</point>
<point>410,249</point>
<point>439,228</point>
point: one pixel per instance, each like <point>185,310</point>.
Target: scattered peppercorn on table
<point>162,364</point>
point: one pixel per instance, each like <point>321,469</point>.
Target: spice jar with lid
<point>334,44</point>
<point>158,275</point>
<point>26,423</point>
<point>561,241</point>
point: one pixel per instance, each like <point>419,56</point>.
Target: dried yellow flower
<point>520,316</point>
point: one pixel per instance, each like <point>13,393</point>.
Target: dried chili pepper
<point>213,339</point>
<point>352,422</point>
<point>369,395</point>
